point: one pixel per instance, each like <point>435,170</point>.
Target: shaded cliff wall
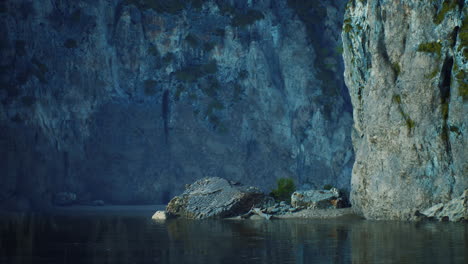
<point>406,69</point>
<point>127,101</point>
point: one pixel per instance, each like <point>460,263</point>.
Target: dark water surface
<point>118,236</point>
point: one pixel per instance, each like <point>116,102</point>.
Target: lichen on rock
<point>408,157</point>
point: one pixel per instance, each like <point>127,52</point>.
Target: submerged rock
<point>317,199</point>
<point>456,210</point>
<point>214,198</point>
<point>64,198</point>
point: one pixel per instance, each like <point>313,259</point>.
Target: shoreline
<point>149,210</point>
<point>309,214</point>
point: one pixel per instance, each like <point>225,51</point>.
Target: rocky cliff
<point>406,69</point>
<point>126,101</point>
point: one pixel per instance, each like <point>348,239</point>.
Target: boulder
<point>317,199</point>
<point>159,215</point>
<point>214,198</point>
<point>455,210</point>
<point>64,198</point>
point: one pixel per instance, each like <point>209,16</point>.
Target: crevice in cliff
<point>453,37</point>
<point>165,113</point>
<point>444,89</point>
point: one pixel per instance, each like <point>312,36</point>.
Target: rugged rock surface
<point>456,210</point>
<point>125,100</point>
<point>214,198</point>
<point>406,69</point>
<point>317,199</point>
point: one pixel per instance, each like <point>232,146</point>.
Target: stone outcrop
<point>159,215</point>
<point>406,70</point>
<point>126,101</point>
<point>214,198</point>
<point>317,199</point>
<point>455,210</point>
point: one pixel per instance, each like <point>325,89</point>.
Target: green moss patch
<point>285,187</point>
<point>410,124</point>
<point>396,68</point>
<point>463,90</point>
<point>431,47</point>
<point>463,36</point>
<point>447,6</point>
<point>193,73</point>
<point>246,19</point>
<point>396,99</point>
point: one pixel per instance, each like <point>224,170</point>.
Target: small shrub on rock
<point>285,187</point>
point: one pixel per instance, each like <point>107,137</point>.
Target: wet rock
<point>214,198</point>
<point>456,210</point>
<point>159,215</point>
<point>64,198</point>
<point>272,210</point>
<point>316,199</point>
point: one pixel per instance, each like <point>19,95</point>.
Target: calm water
<point>134,238</point>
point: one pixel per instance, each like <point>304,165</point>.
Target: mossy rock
<point>447,6</point>
<point>431,47</point>
<point>463,36</point>
<point>396,99</point>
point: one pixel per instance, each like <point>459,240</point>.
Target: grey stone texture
<point>214,198</point>
<point>127,101</point>
<point>406,70</point>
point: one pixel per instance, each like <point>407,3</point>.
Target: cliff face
<point>126,101</point>
<point>406,69</point>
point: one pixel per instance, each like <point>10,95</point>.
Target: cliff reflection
<point>114,239</point>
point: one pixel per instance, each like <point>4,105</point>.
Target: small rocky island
<point>217,198</point>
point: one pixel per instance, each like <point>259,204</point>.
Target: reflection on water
<point>127,239</point>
